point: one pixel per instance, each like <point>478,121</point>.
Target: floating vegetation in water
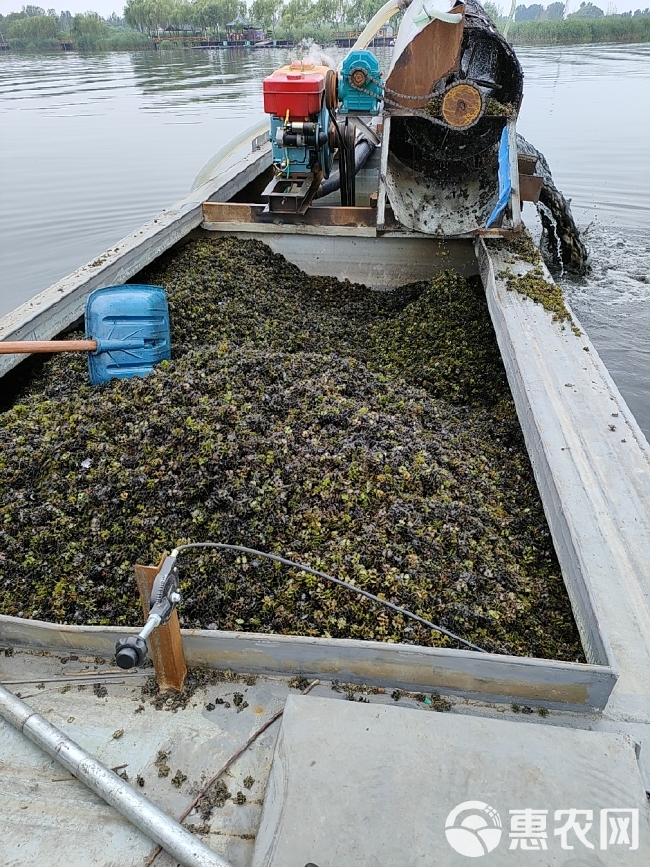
<point>369,434</point>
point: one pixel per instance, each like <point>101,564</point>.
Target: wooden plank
<point>490,677</point>
<point>19,347</point>
<point>530,187</point>
<point>508,234</point>
<point>270,229</point>
<point>433,52</point>
<point>316,215</point>
<point>515,200</point>
<point>383,169</point>
<point>165,642</point>
<point>526,164</point>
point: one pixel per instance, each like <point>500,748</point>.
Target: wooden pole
<point>165,642</point>
<point>18,347</point>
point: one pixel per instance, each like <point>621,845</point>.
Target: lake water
<point>92,146</point>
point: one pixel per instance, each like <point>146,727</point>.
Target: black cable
<point>338,581</point>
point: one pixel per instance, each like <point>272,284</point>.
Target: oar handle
<point>20,347</point>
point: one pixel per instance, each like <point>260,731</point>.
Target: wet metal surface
<point>51,818</point>
<point>361,785</point>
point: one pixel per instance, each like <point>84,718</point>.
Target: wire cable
<point>303,568</point>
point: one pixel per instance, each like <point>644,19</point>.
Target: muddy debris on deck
<point>369,434</point>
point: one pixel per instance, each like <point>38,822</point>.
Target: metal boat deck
<point>592,466</point>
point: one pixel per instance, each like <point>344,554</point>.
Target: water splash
<point>550,240</point>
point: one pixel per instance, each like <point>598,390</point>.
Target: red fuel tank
<point>297,88</point>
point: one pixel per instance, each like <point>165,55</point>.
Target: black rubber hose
<point>362,153</point>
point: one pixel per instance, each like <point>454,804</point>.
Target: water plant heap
<point>369,434</point>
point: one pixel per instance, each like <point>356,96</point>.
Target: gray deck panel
<point>200,740</point>
<point>360,785</point>
<point>51,819</point>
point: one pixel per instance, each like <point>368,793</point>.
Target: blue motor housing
<point>360,90</point>
<point>298,146</point>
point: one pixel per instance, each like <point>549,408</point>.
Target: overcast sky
<point>106,7</point>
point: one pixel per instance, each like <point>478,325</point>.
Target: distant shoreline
<point>581,31</point>
<point>569,31</point>
<point>518,40</point>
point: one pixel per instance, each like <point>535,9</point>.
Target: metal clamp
<point>132,651</point>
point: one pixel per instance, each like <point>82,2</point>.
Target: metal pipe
<point>158,826</point>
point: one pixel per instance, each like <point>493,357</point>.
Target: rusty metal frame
<point>218,213</point>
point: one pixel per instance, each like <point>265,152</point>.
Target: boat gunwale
<point>557,684</point>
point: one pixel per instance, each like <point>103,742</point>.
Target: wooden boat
<point>594,480</point>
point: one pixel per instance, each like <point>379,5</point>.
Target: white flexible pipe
<point>389,9</point>
<point>428,13</point>
<point>377,22</point>
<point>209,170</point>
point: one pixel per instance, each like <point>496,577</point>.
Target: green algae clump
<point>369,434</point>
<point>535,285</point>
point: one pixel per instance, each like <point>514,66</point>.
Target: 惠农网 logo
<point>473,828</point>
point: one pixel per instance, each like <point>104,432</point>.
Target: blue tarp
<point>505,184</point>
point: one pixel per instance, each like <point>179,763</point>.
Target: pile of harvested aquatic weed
<point>371,435</point>
<point>533,282</point>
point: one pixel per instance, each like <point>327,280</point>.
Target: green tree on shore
<point>88,28</point>
<point>35,29</point>
<point>267,13</point>
<point>587,10</point>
